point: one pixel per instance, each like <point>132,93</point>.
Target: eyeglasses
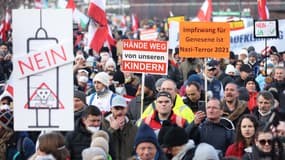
<point>264,141</point>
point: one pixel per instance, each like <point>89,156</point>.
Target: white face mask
<point>4,107</point>
<point>45,157</point>
<point>93,129</point>
<point>120,90</point>
<point>269,71</point>
<point>83,79</point>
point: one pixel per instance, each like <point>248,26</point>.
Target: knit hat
<point>6,119</point>
<point>162,133</point>
<point>251,78</point>
<point>118,101</point>
<point>205,151</point>
<point>110,62</point>
<point>250,48</point>
<point>102,134</point>
<point>230,68</point>
<point>245,68</point>
<point>80,95</point>
<point>195,78</point>
<point>102,77</point>
<point>149,82</point>
<point>100,142</point>
<point>243,51</point>
<point>119,77</point>
<point>90,153</point>
<point>175,136</point>
<point>252,54</point>
<point>145,134</point>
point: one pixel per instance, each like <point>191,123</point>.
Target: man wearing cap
<point>122,130</point>
<point>103,96</point>
<point>245,71</point>
<point>215,87</point>
<point>134,106</point>
<point>179,108</point>
<point>163,113</point>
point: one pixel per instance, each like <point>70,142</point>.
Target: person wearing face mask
<point>263,77</point>
<point>80,138</point>
<point>82,78</point>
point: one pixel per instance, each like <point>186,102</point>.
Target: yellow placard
<point>204,39</point>
<point>177,19</point>
<point>236,25</point>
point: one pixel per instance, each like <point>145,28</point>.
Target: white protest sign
<point>173,34</point>
<point>36,62</point>
<point>145,56</point>
<point>245,38</point>
<point>149,34</point>
<point>266,29</point>
<point>43,74</point>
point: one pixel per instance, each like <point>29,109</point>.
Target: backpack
<point>21,153</point>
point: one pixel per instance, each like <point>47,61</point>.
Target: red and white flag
<point>205,12</point>
<point>123,23</point>
<point>263,11</point>
<point>97,12</point>
<point>135,23</point>
<point>5,26</point>
<point>98,30</point>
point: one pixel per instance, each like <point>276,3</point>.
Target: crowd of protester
<point>239,114</point>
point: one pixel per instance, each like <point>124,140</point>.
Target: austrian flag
<point>262,10</point>
<point>96,11</point>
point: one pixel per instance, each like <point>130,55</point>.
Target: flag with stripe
<point>205,12</point>
<point>263,11</point>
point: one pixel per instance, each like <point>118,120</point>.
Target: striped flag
<point>96,11</point>
<point>263,11</point>
<point>135,23</point>
<point>205,12</point>
<point>5,26</point>
<point>38,4</point>
<point>98,30</point>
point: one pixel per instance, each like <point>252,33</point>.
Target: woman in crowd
<point>263,148</point>
<point>245,131</point>
<point>51,146</point>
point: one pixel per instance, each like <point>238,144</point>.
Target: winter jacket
<point>134,106</point>
<point>186,153</point>
<point>236,152</point>
<point>219,135</point>
<point>252,100</point>
<point>256,154</point>
<point>123,139</point>
<point>240,109</point>
<point>179,109</point>
<point>78,140</point>
<point>154,122</point>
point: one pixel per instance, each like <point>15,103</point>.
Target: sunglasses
<point>264,141</point>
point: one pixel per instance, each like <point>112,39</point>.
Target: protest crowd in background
<point>242,117</point>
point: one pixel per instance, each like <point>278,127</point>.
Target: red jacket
<point>236,152</point>
<point>154,123</point>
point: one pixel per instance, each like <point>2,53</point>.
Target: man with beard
<point>233,108</point>
<point>134,106</point>
<point>122,130</point>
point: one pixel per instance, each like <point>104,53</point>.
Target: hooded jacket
<point>219,135</point>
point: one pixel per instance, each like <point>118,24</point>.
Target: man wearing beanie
<point>177,144</point>
<point>134,106</point>
<point>146,144</point>
<point>79,104</point>
<point>102,96</point>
